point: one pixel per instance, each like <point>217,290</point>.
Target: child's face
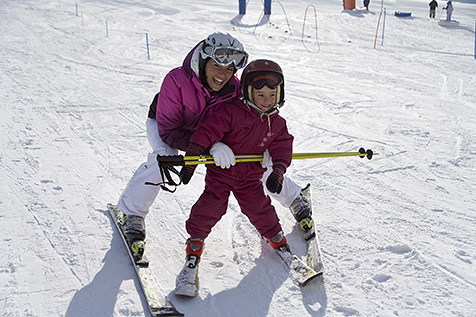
<point>264,98</point>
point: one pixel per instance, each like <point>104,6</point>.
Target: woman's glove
<point>187,171</point>
<point>222,155</point>
<point>274,183</point>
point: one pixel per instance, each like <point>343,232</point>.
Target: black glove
<point>187,171</point>
<point>274,183</point>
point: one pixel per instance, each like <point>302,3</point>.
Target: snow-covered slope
<point>397,232</point>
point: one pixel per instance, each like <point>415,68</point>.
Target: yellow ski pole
<point>167,164</point>
<point>208,159</point>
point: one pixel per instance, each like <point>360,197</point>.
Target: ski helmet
<point>259,73</point>
<point>224,49</point>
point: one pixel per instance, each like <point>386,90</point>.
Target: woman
<point>188,95</point>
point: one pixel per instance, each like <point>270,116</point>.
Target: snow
<point>397,232</point>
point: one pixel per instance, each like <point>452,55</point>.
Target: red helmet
<point>259,73</point>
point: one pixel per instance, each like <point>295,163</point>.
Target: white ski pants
<point>137,197</point>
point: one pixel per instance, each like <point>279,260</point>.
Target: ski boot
<point>279,241</point>
<point>133,228</point>
<point>186,283</point>
<point>301,209</point>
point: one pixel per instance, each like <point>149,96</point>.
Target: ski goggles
<point>225,55</point>
<point>266,79</point>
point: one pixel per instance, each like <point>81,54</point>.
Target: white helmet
<point>224,49</point>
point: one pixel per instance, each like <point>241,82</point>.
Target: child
<point>248,126</point>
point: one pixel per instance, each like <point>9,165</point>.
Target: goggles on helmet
<point>267,79</point>
<point>225,55</point>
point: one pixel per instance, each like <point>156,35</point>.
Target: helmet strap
<point>250,94</point>
<point>278,95</point>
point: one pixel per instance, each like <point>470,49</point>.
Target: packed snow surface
<point>398,232</point>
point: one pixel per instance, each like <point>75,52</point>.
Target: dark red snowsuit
<point>245,131</point>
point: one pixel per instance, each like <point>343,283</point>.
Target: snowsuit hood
<point>184,103</point>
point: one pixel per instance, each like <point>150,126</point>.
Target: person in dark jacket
<point>248,126</point>
<point>366,4</point>
<point>433,5</point>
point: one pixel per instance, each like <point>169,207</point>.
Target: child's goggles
<point>269,79</point>
<point>224,56</point>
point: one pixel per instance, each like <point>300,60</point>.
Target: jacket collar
<point>261,112</point>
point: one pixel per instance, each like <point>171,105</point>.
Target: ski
<point>313,254</point>
<point>301,273</point>
<point>187,280</point>
<point>158,303</point>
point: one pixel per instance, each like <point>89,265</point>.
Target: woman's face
<point>264,98</point>
<point>217,75</point>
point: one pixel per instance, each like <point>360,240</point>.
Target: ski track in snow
<point>397,232</point>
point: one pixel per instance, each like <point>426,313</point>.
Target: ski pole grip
<point>171,160</point>
<point>369,153</point>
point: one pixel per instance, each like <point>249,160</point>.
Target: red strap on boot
<point>194,246</point>
<point>277,244</point>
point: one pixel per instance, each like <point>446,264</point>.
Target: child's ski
<point>300,271</point>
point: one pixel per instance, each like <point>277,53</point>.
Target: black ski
<point>158,303</point>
